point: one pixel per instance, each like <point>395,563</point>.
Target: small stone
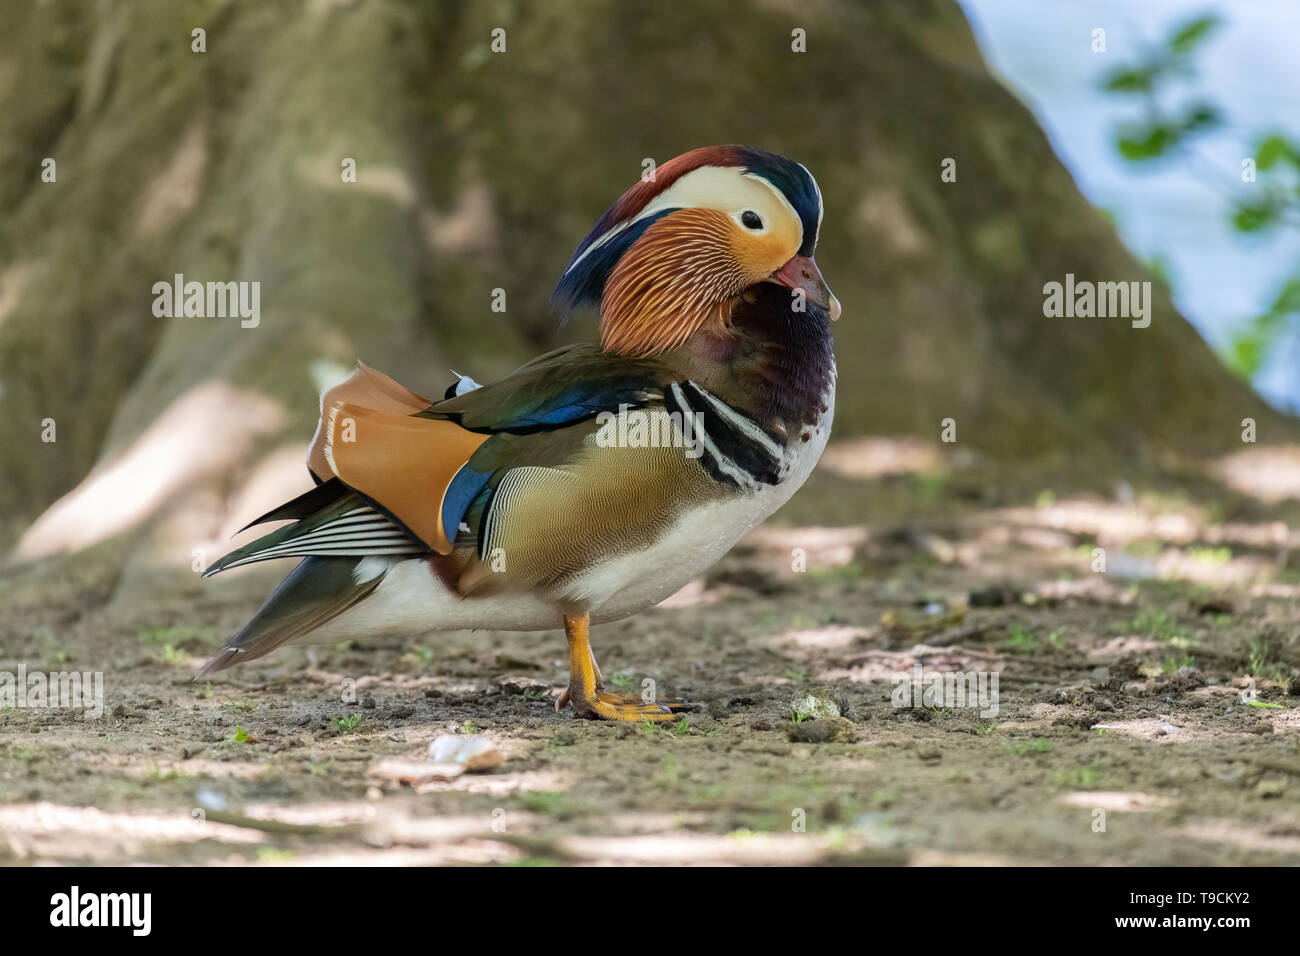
<point>816,704</point>
<point>1271,787</point>
<point>518,685</point>
<point>823,730</point>
<point>473,753</point>
<point>702,723</point>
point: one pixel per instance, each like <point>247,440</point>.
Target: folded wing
<point>397,473</point>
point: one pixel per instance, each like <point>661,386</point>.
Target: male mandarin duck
<point>514,505</point>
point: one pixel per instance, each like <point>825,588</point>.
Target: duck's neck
<point>774,362</point>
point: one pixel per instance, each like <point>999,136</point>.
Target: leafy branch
<point>1267,198</point>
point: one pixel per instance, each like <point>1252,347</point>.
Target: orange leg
<point>585,690</point>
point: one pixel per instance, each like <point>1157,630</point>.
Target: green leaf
<point>1138,80</point>
<point>1246,352</point>
<point>1288,300</point>
<point>1244,355</point>
<point>1252,218</point>
<point>1201,116</point>
<point>1147,145</point>
<point>1192,33</point>
<point>1273,148</point>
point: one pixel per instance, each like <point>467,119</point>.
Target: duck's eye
<point>751,220</point>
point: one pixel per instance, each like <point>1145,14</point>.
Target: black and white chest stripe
<point>736,449</point>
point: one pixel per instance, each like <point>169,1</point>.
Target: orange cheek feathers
<point>679,275</point>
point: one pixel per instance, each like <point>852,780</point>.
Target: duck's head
<point>677,251</point>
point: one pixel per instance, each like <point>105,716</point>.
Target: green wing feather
<point>554,390</point>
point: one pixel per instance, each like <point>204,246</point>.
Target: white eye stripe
<point>821,208</point>
<point>706,187</point>
<point>668,199</point>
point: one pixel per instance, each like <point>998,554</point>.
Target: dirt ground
<point>1145,714</point>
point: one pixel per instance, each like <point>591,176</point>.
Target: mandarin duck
<point>598,479</point>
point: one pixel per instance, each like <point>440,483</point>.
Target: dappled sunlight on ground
<point>51,831</point>
<point>1283,836</point>
<point>1117,802</point>
<point>877,457</point>
<point>1153,728</point>
<point>1269,473</point>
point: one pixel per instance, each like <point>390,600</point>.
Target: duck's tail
<point>316,592</point>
